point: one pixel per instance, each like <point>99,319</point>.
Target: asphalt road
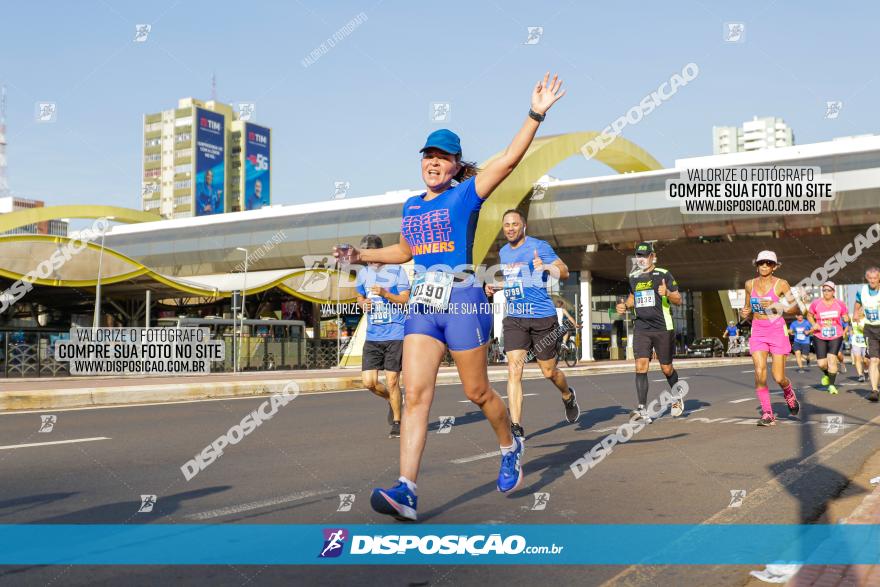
<point>293,468</point>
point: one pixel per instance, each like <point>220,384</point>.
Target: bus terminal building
<point>163,270</point>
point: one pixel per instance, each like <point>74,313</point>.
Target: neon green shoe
<point>825,380</point>
<point>832,390</point>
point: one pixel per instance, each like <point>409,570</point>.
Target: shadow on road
<point>127,511</point>
<point>20,504</point>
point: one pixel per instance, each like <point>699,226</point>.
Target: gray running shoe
<point>572,410</point>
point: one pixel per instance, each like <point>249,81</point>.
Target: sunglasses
<point>827,289</point>
<point>770,263</point>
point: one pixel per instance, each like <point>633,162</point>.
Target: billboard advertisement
<point>256,166</point>
<point>210,157</point>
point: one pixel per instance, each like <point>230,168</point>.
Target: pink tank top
<point>828,318</point>
<point>756,299</point>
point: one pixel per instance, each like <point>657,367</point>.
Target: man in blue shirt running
<point>382,291</point>
<point>530,323</point>
<point>801,329</point>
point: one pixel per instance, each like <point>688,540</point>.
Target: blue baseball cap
<point>445,140</point>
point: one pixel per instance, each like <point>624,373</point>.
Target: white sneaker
<point>677,408</point>
<point>640,413</point>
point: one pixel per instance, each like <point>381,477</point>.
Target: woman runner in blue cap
<point>447,308</point>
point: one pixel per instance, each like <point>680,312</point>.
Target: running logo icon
<point>446,424</point>
<point>346,500</point>
<point>832,109</point>
<point>734,32</point>
<point>317,278</point>
<point>736,498</point>
<point>541,501</point>
<point>334,541</point>
<point>440,111</point>
<point>247,111</point>
<point>46,112</point>
<point>539,190</point>
<point>833,424</point>
<point>47,423</point>
<point>147,504</point>
<point>535,34</point>
<point>141,32</point>
<point>340,189</point>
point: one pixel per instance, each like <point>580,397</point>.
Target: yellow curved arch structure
<point>21,218</point>
<point>118,267</point>
<point>544,154</point>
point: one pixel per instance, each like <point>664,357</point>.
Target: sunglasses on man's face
<point>827,289</point>
<point>769,263</point>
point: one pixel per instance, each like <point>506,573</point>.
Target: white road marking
<point>485,455</point>
<point>697,410</point>
<point>255,505</point>
<point>755,398</point>
<point>265,395</point>
<point>71,441</point>
<point>680,379</point>
<point>748,371</point>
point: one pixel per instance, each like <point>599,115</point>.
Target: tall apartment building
<point>200,159</point>
<point>50,227</point>
<point>768,132</point>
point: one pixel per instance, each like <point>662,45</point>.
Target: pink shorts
<point>769,335</point>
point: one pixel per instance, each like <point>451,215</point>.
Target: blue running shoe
<point>398,501</point>
<point>510,476</point>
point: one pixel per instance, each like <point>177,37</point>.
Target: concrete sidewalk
<point>70,392</point>
<point>868,512</point>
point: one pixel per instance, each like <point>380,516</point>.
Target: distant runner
<point>769,298</point>
<point>867,308</point>
<point>652,289</point>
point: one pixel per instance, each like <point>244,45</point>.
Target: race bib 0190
<point>432,288</point>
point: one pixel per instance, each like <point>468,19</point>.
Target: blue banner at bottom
<point>199,544</point>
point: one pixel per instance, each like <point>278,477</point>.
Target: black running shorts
<point>541,335</point>
<point>384,355</point>
<point>872,337</point>
<point>661,341</point>
<point>826,348</point>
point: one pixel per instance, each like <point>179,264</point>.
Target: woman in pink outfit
<point>826,315</point>
<point>770,298</point>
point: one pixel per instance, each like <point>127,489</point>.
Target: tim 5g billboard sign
<point>256,166</point>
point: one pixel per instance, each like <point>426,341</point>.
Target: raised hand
<point>346,254</point>
<point>546,94</point>
<point>538,263</point>
<point>661,289</point>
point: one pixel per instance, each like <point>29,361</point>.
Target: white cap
<point>830,284</point>
<point>767,256</point>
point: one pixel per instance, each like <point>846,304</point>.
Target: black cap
<point>371,241</point>
<point>645,249</point>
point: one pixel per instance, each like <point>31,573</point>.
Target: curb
<point>178,392</point>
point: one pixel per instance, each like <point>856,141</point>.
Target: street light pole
<point>98,285</point>
<point>243,315</point>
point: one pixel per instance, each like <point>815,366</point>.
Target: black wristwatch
<point>535,116</point>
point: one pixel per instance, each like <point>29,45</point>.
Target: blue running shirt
<point>385,320</point>
<point>441,231</point>
<point>526,297</point>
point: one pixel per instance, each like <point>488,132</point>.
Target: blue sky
<point>361,112</point>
